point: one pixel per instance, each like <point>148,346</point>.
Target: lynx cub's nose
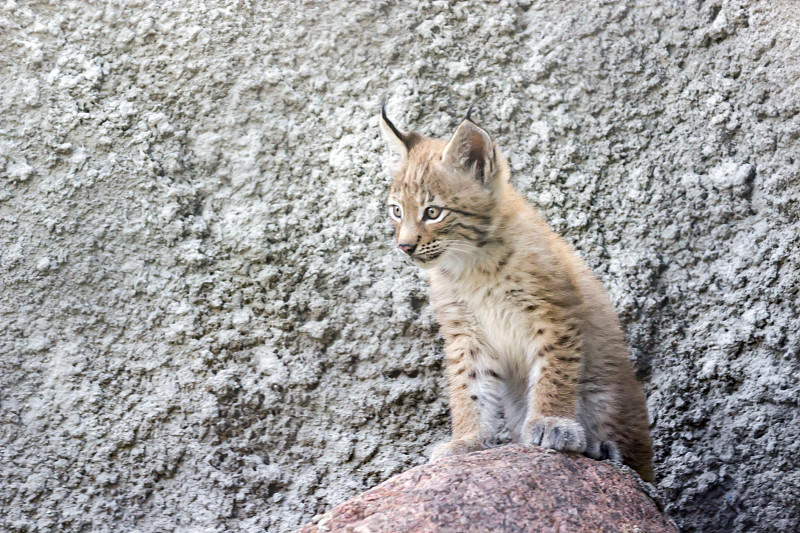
<point>407,248</point>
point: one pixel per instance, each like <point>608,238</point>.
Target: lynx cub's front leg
<point>474,391</point>
<point>553,399</point>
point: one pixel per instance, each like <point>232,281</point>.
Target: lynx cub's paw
<point>455,447</point>
<point>556,433</point>
<point>603,450</point>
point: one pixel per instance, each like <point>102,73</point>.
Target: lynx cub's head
<point>444,194</point>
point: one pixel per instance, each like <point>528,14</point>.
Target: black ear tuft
<point>408,139</point>
<point>397,132</point>
<point>469,112</point>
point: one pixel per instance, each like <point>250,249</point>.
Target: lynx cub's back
<point>527,327</point>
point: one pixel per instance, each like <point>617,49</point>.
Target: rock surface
<point>504,490</point>
<point>202,324</point>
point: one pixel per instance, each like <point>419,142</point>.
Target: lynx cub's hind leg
<point>602,450</point>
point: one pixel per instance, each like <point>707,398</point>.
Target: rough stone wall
<point>202,325</point>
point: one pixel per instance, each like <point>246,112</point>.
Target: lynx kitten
<point>527,327</point>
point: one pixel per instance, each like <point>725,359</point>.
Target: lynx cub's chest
<point>507,330</point>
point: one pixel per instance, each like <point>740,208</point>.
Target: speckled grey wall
<point>202,325</point>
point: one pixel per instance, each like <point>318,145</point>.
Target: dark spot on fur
<point>504,260</point>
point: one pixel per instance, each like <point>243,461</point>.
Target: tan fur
<point>527,327</point>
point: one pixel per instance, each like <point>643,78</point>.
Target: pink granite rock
<point>509,489</point>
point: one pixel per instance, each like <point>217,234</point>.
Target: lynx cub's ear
<point>471,150</point>
<point>399,143</point>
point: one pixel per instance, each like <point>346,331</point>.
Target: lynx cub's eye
<point>396,212</point>
<point>433,214</point>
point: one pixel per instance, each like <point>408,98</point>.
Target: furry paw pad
<point>556,433</point>
<point>602,450</point>
<point>455,447</point>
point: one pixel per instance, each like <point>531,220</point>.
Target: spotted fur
<point>528,329</point>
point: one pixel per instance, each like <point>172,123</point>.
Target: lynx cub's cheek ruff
<point>527,327</point>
